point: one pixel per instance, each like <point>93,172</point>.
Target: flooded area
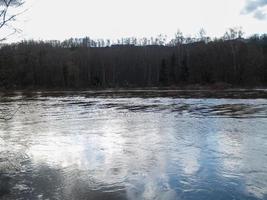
<point>143,145</point>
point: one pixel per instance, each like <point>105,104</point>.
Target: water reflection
<point>80,147</point>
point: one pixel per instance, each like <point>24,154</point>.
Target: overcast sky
<point>61,19</point>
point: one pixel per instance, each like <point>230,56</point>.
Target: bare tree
<point>9,10</point>
<point>202,36</point>
<point>233,33</point>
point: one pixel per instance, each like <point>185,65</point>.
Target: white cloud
<point>257,8</point>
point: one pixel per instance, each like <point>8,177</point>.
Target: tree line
<point>130,62</point>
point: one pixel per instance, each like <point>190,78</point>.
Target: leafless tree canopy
<point>81,63</point>
<point>8,13</point>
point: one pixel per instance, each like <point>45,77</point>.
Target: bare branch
<point>7,20</point>
<point>5,13</point>
<point>15,30</point>
<point>2,12</point>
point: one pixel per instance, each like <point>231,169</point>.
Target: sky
<point>62,19</point>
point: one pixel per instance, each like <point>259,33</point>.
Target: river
<point>94,145</point>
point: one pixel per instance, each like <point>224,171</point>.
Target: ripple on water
<point>85,146</point>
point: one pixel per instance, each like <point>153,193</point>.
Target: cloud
<point>253,5</point>
<point>256,7</point>
<point>260,15</point>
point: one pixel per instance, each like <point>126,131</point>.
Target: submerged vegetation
<point>131,62</point>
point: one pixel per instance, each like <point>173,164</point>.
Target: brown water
<point>96,146</point>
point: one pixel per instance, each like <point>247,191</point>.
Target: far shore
<point>195,91</point>
<point>215,86</point>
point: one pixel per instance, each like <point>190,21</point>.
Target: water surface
<point>96,146</point>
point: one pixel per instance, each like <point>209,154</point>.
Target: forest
<point>130,62</point>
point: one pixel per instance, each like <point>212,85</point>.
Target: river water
<point>95,146</point>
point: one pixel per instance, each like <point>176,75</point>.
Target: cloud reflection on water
<point>111,152</point>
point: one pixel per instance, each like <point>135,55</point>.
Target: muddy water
<point>98,146</point>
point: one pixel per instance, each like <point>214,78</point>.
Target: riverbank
<point>175,92</point>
